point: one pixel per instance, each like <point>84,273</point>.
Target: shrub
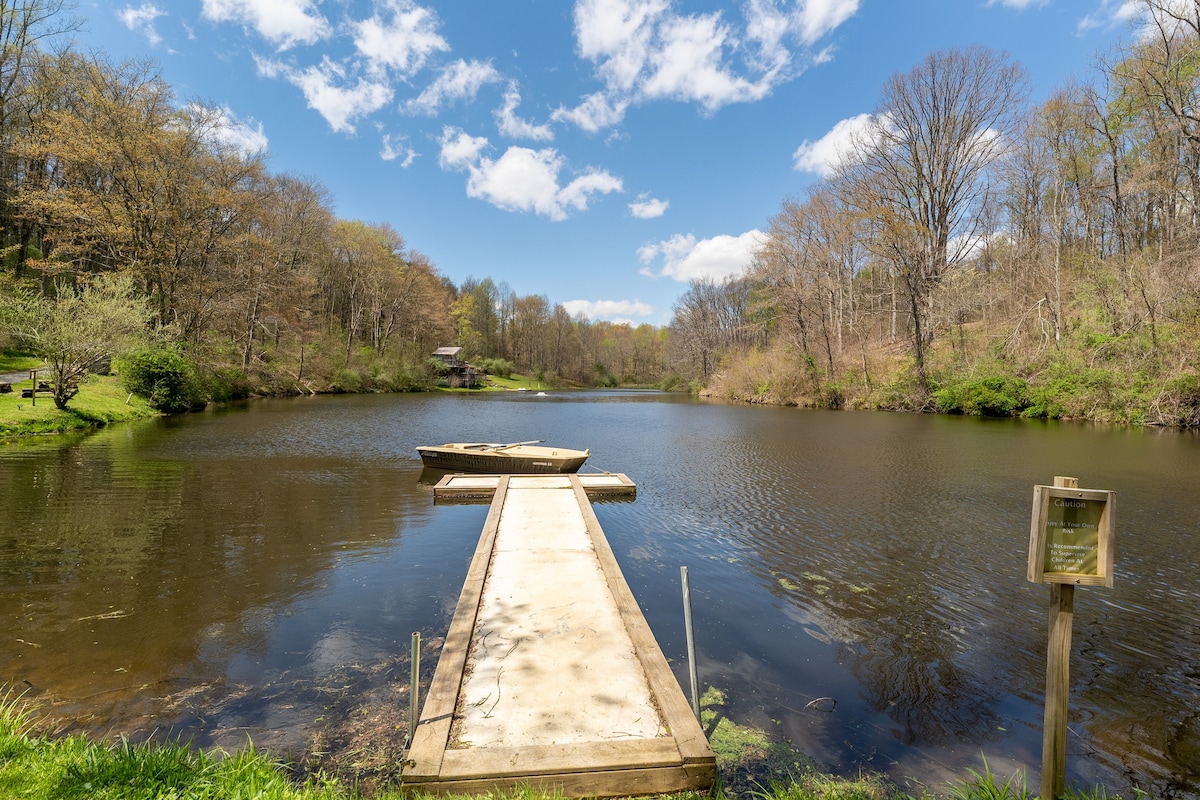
<point>993,396</point>
<point>1179,402</point>
<point>165,378</point>
<point>346,380</point>
<point>228,383</point>
<point>500,367</point>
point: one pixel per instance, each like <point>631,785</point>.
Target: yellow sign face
<point>1073,535</point>
<point>1070,539</point>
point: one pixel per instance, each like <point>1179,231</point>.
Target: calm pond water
<point>858,579</point>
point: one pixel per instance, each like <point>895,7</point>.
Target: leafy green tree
<point>81,329</point>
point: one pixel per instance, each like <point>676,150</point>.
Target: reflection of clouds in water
<point>337,647</point>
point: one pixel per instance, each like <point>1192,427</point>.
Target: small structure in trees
<point>459,374</point>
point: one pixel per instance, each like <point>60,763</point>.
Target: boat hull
<point>498,460</point>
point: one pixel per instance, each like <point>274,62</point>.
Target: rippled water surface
<point>858,579</point>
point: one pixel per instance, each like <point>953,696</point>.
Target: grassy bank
<point>36,766</point>
<point>100,401</point>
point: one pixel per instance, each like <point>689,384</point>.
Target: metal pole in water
<point>691,640</point>
<point>414,686</point>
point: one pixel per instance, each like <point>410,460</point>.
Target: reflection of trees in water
<point>154,570</point>
<point>909,670</point>
<point>912,656</point>
<point>1144,709</point>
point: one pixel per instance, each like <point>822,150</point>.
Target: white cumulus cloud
<point>612,310</point>
<point>522,179</point>
<point>647,207</point>
<point>684,258</point>
<point>459,149</point>
<point>339,104</point>
<point>283,23</point>
<point>824,155</point>
<point>402,42</point>
<point>645,50</point>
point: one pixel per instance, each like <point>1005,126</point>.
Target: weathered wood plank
<point>479,762</point>
<point>609,783</point>
<point>676,710</point>
<point>437,713</point>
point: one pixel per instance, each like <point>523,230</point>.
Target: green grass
<point>35,766</point>
<point>496,383</point>
<point>100,401</point>
<point>14,362</point>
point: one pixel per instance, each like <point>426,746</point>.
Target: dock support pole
<point>414,686</point>
<point>691,640</point>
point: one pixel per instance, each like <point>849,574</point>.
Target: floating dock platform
<point>470,488</point>
<point>550,676</point>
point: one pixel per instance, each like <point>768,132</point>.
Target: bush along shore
<point>150,384</point>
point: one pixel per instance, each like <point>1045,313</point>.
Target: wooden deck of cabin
<point>550,676</point>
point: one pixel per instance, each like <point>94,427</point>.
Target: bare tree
<point>709,319</point>
<point>922,169</point>
<point>23,25</point>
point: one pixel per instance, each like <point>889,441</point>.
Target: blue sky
<point>602,152</point>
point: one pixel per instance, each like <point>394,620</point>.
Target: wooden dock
<point>550,676</point>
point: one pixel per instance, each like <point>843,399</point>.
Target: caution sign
<point>1070,536</point>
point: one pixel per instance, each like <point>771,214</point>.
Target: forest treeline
<point>972,252</point>
<point>969,252</point>
<point>249,276</point>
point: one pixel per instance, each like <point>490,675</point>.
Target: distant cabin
<point>461,374</point>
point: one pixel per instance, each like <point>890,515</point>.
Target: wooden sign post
<point>1070,544</point>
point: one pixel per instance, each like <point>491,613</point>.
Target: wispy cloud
<point>461,80</point>
<point>612,310</point>
<point>515,127</point>
<point>244,136</point>
<point>141,20</point>
<point>522,179</point>
<point>1020,5</point>
<point>1111,14</point>
<point>684,258</point>
<point>397,148</point>
<point>595,112</point>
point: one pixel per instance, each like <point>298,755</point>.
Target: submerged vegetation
<point>39,766</point>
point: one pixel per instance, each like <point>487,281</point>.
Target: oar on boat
<point>516,444</point>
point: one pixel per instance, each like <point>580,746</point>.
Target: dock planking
<point>550,676</point>
<point>460,487</point>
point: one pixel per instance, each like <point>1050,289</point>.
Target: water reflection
<point>858,579</point>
